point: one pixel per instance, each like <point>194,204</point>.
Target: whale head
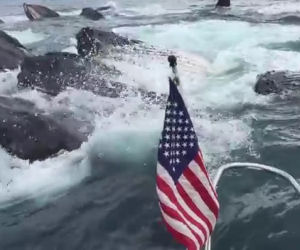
<point>30,12</point>
<point>36,12</point>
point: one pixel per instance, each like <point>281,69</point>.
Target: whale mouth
<point>30,12</point>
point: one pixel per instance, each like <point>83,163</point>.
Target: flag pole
<point>173,64</point>
<point>179,156</point>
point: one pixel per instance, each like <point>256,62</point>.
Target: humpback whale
<point>91,41</point>
<point>12,52</point>
<point>277,82</point>
<point>91,14</point>
<point>223,3</point>
<point>54,72</point>
<point>30,134</point>
<point>37,12</point>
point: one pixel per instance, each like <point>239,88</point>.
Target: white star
<point>184,152</point>
<point>171,161</point>
<point>168,112</point>
<point>173,129</point>
<point>174,120</point>
<point>167,145</point>
<point>179,129</point>
<point>180,121</point>
<point>160,146</point>
<point>174,112</point>
<point>168,120</point>
<point>186,128</point>
<point>192,129</point>
<point>177,160</point>
<point>177,145</point>
<point>174,169</point>
<point>178,137</point>
<point>192,137</point>
<point>173,137</point>
<point>169,104</point>
<point>185,137</point>
<point>191,144</point>
<point>168,129</point>
<point>166,154</point>
<point>187,121</point>
<point>177,153</point>
<point>175,104</point>
<point>181,113</point>
<point>167,137</point>
<point>184,144</point>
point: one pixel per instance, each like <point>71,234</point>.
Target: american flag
<point>187,199</point>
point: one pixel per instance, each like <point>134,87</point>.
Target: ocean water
<point>102,196</point>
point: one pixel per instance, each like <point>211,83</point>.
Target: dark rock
<point>275,82</point>
<point>37,12</point>
<point>223,3</point>
<point>91,41</point>
<point>29,134</point>
<point>12,52</point>
<point>91,14</point>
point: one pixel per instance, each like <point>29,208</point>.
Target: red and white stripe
<point>190,208</point>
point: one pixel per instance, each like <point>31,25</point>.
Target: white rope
<point>254,166</point>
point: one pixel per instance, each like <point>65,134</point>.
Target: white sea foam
<point>154,9</point>
<point>26,36</point>
<point>8,81</point>
<point>69,13</point>
<point>280,8</point>
<point>73,46</point>
<point>21,180</point>
<point>226,47</point>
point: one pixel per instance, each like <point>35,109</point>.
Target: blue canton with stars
<point>178,144</point>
